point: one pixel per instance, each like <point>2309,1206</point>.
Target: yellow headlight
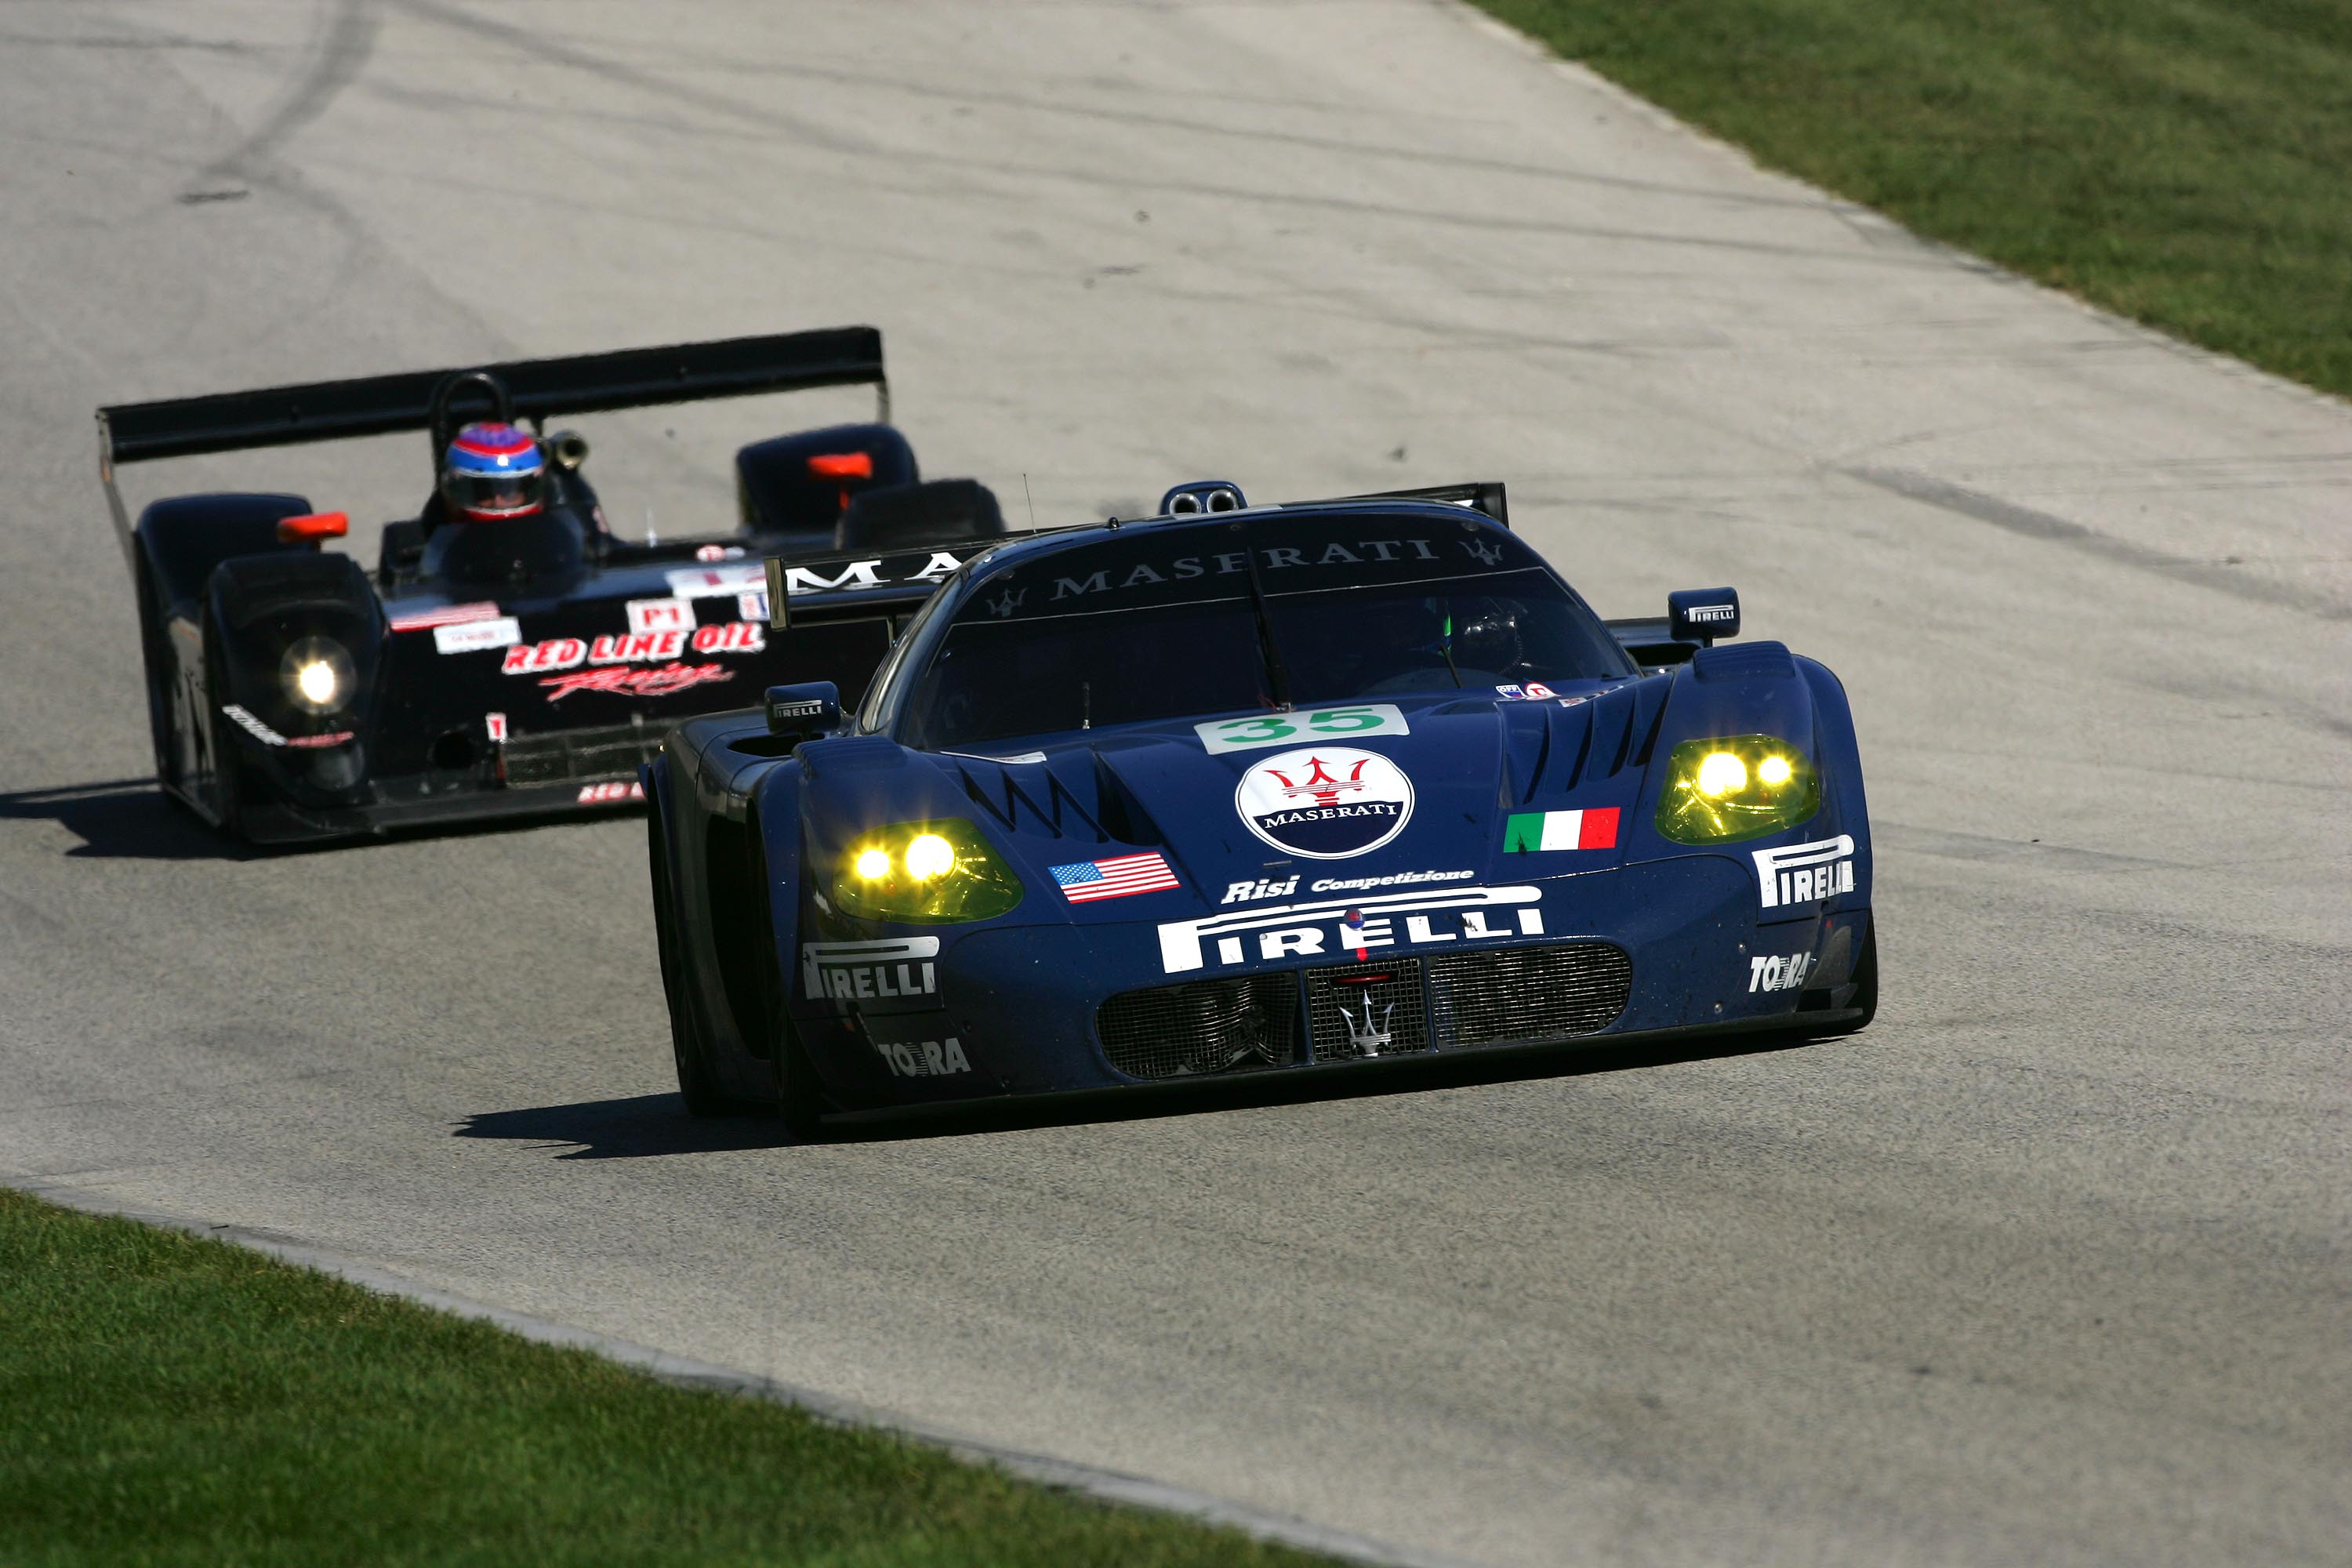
<point>930,873</point>
<point>1720,773</point>
<point>1736,787</point>
<point>930,856</point>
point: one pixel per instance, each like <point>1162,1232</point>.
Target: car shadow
<point>630,1129</point>
<point>122,819</point>
<point>654,1124</point>
<point>133,819</point>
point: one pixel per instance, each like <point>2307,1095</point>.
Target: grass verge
<point>2179,162</point>
<point>165,1399</point>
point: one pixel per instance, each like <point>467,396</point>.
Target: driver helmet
<point>493,471</point>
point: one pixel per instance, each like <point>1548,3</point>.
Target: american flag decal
<point>1088,880</point>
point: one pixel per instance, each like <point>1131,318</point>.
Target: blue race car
<point>1287,790</point>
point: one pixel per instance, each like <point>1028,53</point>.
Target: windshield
<point>1133,630</point>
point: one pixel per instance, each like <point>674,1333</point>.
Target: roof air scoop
<point>1202,496</point>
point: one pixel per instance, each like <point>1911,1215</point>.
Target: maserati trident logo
<point>1327,803</point>
<point>1363,1037</point>
<point>1486,553</point>
<point>1005,603</point>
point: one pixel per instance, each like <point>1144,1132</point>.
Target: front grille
<point>1551,993</point>
<point>1204,1027</point>
<point>1351,1005</point>
<point>608,751</point>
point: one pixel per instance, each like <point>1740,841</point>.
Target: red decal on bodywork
<point>624,681</point>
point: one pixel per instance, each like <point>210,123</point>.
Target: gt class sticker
<point>1275,729</point>
<point>1389,920</point>
<point>1800,873</point>
<point>477,636</point>
<point>899,975</point>
<point>1325,803</point>
<point>661,616</point>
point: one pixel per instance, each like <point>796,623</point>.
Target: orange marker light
<point>842,465</point>
<point>311,527</point>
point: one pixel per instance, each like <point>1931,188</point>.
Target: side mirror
<point>1703,614</point>
<point>803,711</point>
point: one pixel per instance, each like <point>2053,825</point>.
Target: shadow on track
<point>653,1124</point>
<point>133,819</point>
<point>122,819</point>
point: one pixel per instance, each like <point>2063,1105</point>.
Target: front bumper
<point>1672,948</point>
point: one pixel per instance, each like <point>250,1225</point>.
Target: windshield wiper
<point>1277,679</point>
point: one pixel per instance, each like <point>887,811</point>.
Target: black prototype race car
<point>1281,789</point>
<point>488,670</point>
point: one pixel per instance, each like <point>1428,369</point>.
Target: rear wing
<point>807,592</point>
<point>541,389</point>
<point>1480,496</point>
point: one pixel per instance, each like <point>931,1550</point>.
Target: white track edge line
<point>1071,1475</point>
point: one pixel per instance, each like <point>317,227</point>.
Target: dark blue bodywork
<point>1455,933</point>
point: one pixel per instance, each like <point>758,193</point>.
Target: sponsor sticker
<point>1700,615</point>
<point>494,725</point>
<point>1321,723</point>
<point>1593,827</point>
<point>1802,873</point>
<point>718,553</point>
<point>633,647</point>
<point>1120,876</point>
<point>1770,971</point>
<point>1391,920</point>
<point>620,681</point>
<point>660,616</point>
<point>717,582</point>
<point>899,975</point>
<point>444,616</point>
<point>477,636</point>
<point>1250,892</point>
<point>752,605</point>
<point>245,720</point>
<point>1325,803</point>
<point>923,1058</point>
<point>612,792</point>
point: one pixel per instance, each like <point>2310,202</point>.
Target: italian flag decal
<point>1528,831</point>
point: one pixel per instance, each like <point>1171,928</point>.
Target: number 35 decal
<point>1292,729</point>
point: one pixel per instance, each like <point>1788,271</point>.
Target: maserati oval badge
<point>1325,803</point>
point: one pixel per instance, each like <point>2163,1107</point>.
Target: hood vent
<point>1075,795</point>
<point>1551,749</point>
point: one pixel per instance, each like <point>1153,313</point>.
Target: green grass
<point>165,1399</point>
<point>2184,162</point>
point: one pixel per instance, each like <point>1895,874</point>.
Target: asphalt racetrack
<point>2048,1266</point>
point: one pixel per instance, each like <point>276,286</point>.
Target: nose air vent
<point>1744,661</point>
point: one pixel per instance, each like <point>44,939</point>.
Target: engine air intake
<point>1508,995</point>
<point>1204,1027</point>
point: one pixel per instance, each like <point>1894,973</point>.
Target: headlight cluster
<point>1739,787</point>
<point>930,872</point>
<point>318,674</point>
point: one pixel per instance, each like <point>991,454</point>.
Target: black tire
<point>156,658</point>
<point>697,1084</point>
<point>224,796</point>
<point>798,1103</point>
